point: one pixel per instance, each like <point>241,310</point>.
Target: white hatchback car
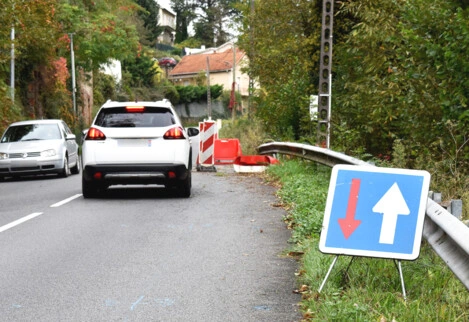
<point>134,143</point>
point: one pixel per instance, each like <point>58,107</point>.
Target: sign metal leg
<point>328,273</point>
<point>397,263</point>
<point>399,267</point>
<point>349,264</point>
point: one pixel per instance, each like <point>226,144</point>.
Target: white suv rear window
<point>146,117</point>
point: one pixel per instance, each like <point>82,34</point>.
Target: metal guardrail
<point>447,235</point>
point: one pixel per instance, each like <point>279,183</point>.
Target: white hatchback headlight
<point>48,153</point>
<point>3,156</point>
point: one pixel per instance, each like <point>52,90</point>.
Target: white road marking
<point>34,215</point>
<point>60,203</point>
<point>20,221</point>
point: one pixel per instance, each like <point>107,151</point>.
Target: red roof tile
<point>195,63</point>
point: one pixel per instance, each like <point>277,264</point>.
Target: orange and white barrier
<point>208,134</point>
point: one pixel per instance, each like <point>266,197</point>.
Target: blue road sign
<point>375,212</point>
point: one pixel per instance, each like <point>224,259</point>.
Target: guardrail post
<point>455,208</point>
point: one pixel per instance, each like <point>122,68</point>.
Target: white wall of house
<point>226,79</point>
<point>167,19</point>
<point>114,69</point>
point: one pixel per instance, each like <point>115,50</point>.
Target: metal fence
<point>448,236</point>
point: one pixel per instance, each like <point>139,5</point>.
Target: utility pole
<point>233,85</point>
<point>251,54</point>
<point>209,99</point>
<point>12,63</point>
<point>74,89</point>
<point>325,75</point>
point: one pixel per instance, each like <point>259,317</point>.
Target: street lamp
<point>74,89</point>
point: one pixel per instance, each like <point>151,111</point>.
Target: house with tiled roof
<point>224,63</point>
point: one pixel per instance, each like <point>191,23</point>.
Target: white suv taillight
<point>175,133</point>
<point>95,135</point>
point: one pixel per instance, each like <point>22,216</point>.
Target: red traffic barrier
<point>226,151</point>
<point>253,163</point>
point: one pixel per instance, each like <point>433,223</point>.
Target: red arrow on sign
<point>349,223</point>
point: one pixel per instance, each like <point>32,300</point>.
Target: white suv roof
<point>162,103</point>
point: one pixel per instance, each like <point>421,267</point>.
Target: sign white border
<point>370,253</point>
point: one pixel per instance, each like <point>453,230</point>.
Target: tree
<point>282,41</point>
<point>185,14</point>
<point>35,27</point>
<point>102,30</point>
<point>142,70</point>
<point>365,99</point>
<point>36,33</point>
<point>150,18</point>
<point>211,24</point>
<point>400,75</point>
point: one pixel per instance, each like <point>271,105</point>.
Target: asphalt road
<point>144,255</point>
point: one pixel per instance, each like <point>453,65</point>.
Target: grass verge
<point>366,289</point>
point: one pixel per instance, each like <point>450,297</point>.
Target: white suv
<point>136,143</point>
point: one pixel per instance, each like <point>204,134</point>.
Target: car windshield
<point>31,132</point>
<point>145,117</point>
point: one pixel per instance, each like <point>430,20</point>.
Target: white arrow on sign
<point>391,205</point>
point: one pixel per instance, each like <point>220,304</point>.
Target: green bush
<point>104,88</point>
<point>9,112</point>
<point>190,93</point>
<point>249,131</point>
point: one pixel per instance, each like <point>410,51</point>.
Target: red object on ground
<point>226,151</point>
<point>253,163</point>
<point>255,160</point>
